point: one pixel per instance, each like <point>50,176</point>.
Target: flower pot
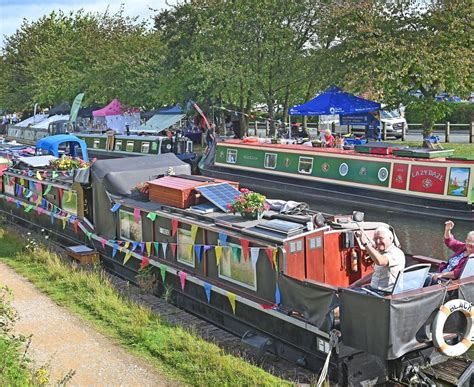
<point>252,215</point>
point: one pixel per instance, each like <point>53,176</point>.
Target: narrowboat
<point>274,280</point>
<point>412,180</point>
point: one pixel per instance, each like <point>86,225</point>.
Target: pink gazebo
<point>114,108</point>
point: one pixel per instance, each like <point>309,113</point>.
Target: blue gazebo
<point>51,144</point>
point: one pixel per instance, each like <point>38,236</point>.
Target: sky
<point>12,12</point>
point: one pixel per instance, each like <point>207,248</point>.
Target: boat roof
<point>333,151</point>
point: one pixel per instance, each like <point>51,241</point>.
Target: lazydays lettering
<point>428,172</point>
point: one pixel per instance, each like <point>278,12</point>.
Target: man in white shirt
<point>389,259</point>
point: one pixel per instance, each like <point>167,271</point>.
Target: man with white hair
<point>389,259</point>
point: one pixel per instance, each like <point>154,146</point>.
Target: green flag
<point>75,107</point>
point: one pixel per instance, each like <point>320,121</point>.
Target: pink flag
<point>103,241</point>
<point>136,214</point>
<point>39,210</point>
<point>182,278</point>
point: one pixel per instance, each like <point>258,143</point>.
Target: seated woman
<point>462,251</point>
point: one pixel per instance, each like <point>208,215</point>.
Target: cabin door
<point>315,256</point>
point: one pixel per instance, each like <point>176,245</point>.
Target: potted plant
<point>249,204</point>
<point>140,191</point>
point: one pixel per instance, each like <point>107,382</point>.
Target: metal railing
<point>262,129</point>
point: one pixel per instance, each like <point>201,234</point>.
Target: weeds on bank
<point>89,293</point>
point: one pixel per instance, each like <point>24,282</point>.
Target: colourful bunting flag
<point>39,210</point>
<point>64,220</point>
<point>218,250</point>
<point>114,249</point>
<point>197,251</point>
<point>39,186</point>
<point>126,245</point>
<point>103,242</point>
<point>269,252</point>
<point>165,248</point>
<point>51,216</point>
<point>115,207</point>
<point>207,247</point>
<point>134,246</point>
<point>173,248</point>
<point>127,257</point>
<point>182,278</point>
<point>231,297</point>
<point>48,188</point>
<point>54,175</point>
<point>157,248</point>
<point>89,235</point>
<point>236,252</point>
<point>148,248</point>
<point>38,176</point>
<point>222,239</point>
<point>163,272</point>
<point>145,262</point>
<point>277,295</point>
<point>68,196</point>
<point>76,226</point>
<point>275,262</point>
<point>254,252</point>
<point>245,248</point>
<point>194,230</point>
<point>29,208</point>
<point>174,226</point>
<point>151,216</point>
<point>142,247</point>
<point>207,289</point>
<point>136,215</point>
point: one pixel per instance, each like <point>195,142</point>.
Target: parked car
<point>393,123</point>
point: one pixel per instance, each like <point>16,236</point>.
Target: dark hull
<point>296,189</point>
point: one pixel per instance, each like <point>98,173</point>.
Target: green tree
<point>392,49</point>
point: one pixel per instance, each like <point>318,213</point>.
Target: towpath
<point>66,342</point>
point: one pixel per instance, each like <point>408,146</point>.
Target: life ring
<point>466,308</point>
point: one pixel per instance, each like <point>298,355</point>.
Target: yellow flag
<point>64,219</point>
<point>191,252</point>
<point>275,252</point>
<point>38,201</point>
<point>194,230</point>
<point>148,248</point>
<point>127,257</point>
<point>22,181</point>
<point>218,250</point>
<point>125,246</point>
<point>38,175</point>
<point>231,297</point>
<point>68,196</point>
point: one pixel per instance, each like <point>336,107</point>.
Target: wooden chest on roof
<point>179,192</point>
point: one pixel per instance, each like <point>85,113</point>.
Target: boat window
<point>237,269</point>
<point>130,230</point>
<point>305,165</point>
<point>185,250</point>
<point>154,146</point>
<point>296,246</point>
<point>129,147</point>
<point>145,147</point>
<point>69,202</point>
<point>96,143</point>
<point>231,156</point>
<point>315,243</point>
<point>270,160</point>
<point>8,189</point>
<point>118,145</point>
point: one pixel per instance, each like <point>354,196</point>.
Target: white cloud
<point>13,12</point>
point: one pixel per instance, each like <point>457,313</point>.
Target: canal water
<point>419,235</point>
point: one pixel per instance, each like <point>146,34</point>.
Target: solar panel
<point>219,194</point>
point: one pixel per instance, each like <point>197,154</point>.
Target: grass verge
<point>178,353</point>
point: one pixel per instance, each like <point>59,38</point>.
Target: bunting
<point>197,252</point>
<point>269,252</point>
<point>173,249</point>
<point>182,278</point>
<point>194,230</point>
<point>115,207</point>
<point>244,243</point>
<point>174,226</point>
<point>136,215</point>
<point>145,262</point>
<point>165,247</point>
<point>218,250</point>
<point>222,239</point>
<point>207,289</point>
<point>163,272</point>
<point>157,248</point>
<point>151,216</point>
<point>231,297</point>
<point>127,257</point>
<point>254,253</point>
<point>148,248</point>
<point>48,188</point>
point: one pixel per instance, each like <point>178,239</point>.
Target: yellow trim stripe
<point>466,342</point>
<point>444,310</point>
<point>443,347</point>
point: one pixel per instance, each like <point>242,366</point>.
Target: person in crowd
<point>388,259</point>
<point>211,135</point>
<point>329,138</point>
<point>462,251</point>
